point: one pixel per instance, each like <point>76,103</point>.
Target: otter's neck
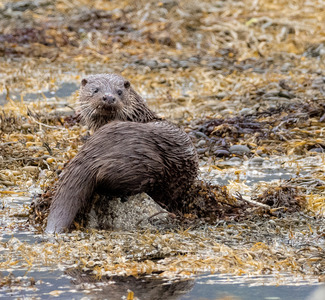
<point>138,110</point>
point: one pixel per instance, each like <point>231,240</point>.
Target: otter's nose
<point>109,99</point>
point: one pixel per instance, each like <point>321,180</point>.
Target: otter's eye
<point>96,90</point>
<point>119,92</point>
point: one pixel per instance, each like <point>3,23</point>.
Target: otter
<point>131,151</point>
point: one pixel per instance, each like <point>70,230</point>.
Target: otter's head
<point>108,97</point>
<point>103,98</point>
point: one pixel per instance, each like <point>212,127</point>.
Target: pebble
<point>246,111</point>
<point>31,169</point>
<point>29,137</point>
<point>317,150</point>
<point>286,67</point>
<point>63,111</point>
<point>26,126</point>
<point>193,59</point>
<point>239,149</point>
<point>50,160</point>
<point>200,134</point>
<point>201,143</point>
<point>256,161</point>
<point>202,150</point>
<point>221,95</point>
<point>217,65</point>
<point>184,64</point>
<point>151,63</point>
<point>221,152</point>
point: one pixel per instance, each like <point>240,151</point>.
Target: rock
<point>221,95</point>
<point>246,111</point>
<point>200,134</point>
<point>239,149</point>
<point>26,126</point>
<point>151,64</point>
<point>286,67</point>
<point>63,112</point>
<point>184,64</point>
<point>200,143</point>
<point>317,150</point>
<point>221,153</point>
<point>136,211</point>
<point>202,150</point>
<point>194,59</point>
<point>30,169</point>
<point>256,161</point>
<point>26,5</point>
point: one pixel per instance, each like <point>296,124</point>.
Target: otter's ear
<point>127,84</point>
<point>84,82</point>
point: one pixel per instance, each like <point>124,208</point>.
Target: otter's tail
<point>76,186</point>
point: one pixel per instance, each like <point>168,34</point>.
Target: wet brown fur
<point>135,152</point>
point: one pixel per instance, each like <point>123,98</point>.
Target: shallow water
<point>65,89</point>
<point>219,287</point>
<point>55,283</point>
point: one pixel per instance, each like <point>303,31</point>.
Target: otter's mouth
<point>106,108</point>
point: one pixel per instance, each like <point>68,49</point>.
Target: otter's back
<point>155,157</point>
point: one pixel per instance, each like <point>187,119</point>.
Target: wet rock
<point>184,64</point>
<point>286,67</point>
<point>246,111</point>
<point>30,169</point>
<point>259,70</point>
<point>318,83</point>
<point>315,50</point>
<point>151,64</point>
<point>217,65</point>
<point>26,5</point>
<point>275,94</point>
<point>137,210</point>
<point>286,94</point>
<point>202,150</point>
<point>221,95</point>
<point>169,4</point>
<point>317,150</point>
<point>194,59</point>
<point>63,112</point>
<point>163,65</point>
<point>200,134</point>
<point>284,85</point>
<point>201,143</point>
<point>221,153</point>
<point>256,161</point>
<point>26,126</point>
<point>239,149</point>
